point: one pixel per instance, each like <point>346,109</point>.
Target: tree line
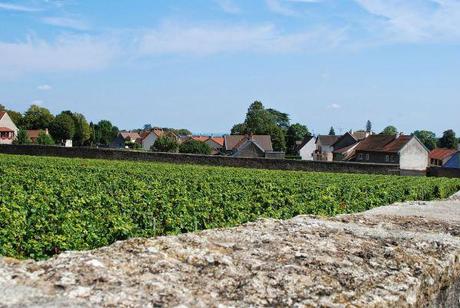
<point>267,121</point>
<point>66,125</point>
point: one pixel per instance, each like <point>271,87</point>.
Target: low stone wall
<point>444,172</point>
<point>259,163</point>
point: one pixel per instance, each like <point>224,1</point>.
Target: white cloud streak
<point>64,22</point>
<point>44,87</point>
<point>17,8</point>
<point>206,40</point>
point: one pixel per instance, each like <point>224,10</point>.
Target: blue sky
<point>198,64</point>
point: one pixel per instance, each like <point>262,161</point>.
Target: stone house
<point>324,147</point>
<point>406,151</point>
<point>124,139</point>
<point>8,130</point>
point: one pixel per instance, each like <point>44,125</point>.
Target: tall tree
<point>37,117</point>
<point>22,138</point>
<point>82,129</point>
<point>389,130</point>
<point>281,118</point>
<point>105,132</point>
<point>295,132</point>
<point>427,138</point>
<point>239,129</point>
<point>369,126</point>
<point>332,131</point>
<point>166,143</point>
<point>62,128</point>
<point>448,140</point>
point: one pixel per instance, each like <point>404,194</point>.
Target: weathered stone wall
<point>406,255</point>
<point>260,163</point>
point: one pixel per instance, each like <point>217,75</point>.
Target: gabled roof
<point>441,154</point>
<point>130,135</point>
<point>327,140</point>
<point>2,113</point>
<point>232,142</point>
<point>247,143</point>
<point>33,133</point>
<point>155,131</point>
<point>384,143</point>
<point>360,135</point>
<point>200,138</point>
<point>340,138</point>
<point>305,140</point>
<point>218,140</point>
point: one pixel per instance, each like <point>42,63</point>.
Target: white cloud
<point>66,53</point>
<point>212,39</point>
<point>65,22</point>
<point>18,8</point>
<point>44,87</point>
<point>228,6</point>
<point>416,20</point>
<point>334,106</point>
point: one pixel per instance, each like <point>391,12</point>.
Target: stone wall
<point>444,172</point>
<point>259,163</point>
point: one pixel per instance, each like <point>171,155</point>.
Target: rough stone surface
<point>406,255</point>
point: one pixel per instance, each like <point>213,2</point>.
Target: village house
<point>406,151</point>
<point>8,130</point>
<point>149,137</point>
<point>250,146</point>
<point>307,147</point>
<point>324,147</point>
<point>346,144</point>
<point>216,144</point>
<point>126,139</point>
<point>34,133</point>
<point>439,157</point>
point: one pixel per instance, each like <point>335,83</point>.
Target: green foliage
<point>82,129</point>
<point>44,139</point>
<point>427,138</point>
<point>448,140</point>
<point>37,117</point>
<point>281,119</point>
<point>166,143</point>
<point>296,132</point>
<point>239,129</point>
<point>104,132</point>
<point>369,126</point>
<point>63,127</point>
<point>22,138</point>
<point>332,131</point>
<point>195,147</point>
<point>390,131</point>
<point>58,204</point>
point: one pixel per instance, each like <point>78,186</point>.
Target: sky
<point>199,64</point>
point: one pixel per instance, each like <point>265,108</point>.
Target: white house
<point>149,138</point>
<point>8,130</point>
<point>307,148</point>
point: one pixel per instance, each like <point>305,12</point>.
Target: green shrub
<point>48,205</point>
<point>195,147</point>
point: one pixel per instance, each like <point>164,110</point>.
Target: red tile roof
<point>218,140</point>
<point>441,154</point>
<point>384,143</point>
<point>33,133</point>
<point>6,130</point>
<point>130,135</point>
<point>200,138</point>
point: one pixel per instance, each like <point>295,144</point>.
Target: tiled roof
<point>33,133</point>
<point>232,142</point>
<point>360,135</point>
<point>130,135</point>
<point>327,139</point>
<point>218,140</point>
<point>442,154</point>
<point>6,130</point>
<point>384,143</point>
<point>200,138</point>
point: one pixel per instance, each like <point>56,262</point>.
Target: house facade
<point>8,130</point>
<point>406,151</point>
<point>148,138</point>
<point>250,146</point>
<point>325,148</point>
<point>307,148</point>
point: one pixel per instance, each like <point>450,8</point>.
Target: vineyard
<point>49,205</point>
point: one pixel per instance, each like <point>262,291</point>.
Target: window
<point>360,156</point>
<point>367,157</point>
<point>392,158</point>
<point>387,158</point>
